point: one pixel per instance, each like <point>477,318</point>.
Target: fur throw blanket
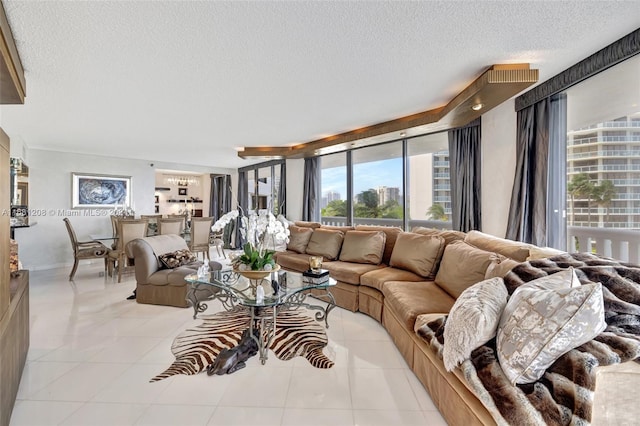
<point>564,395</point>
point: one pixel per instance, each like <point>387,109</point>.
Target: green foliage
<point>335,208</point>
<point>436,212</point>
<point>254,260</point>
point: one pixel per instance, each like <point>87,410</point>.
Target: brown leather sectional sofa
<point>402,279</point>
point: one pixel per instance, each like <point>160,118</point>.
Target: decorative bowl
<point>256,275</point>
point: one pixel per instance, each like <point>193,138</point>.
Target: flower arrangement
<point>263,232</point>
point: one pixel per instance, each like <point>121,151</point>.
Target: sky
<point>366,175</point>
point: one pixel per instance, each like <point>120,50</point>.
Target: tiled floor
<point>93,352</point>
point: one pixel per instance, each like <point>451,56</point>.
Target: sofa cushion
<point>448,234</point>
<point>293,261</point>
<point>343,228</point>
<point>391,233</point>
<point>462,266</point>
<point>473,320</point>
<point>325,243</point>
<point>176,258</point>
<point>348,272</point>
<point>306,224</point>
<point>500,266</point>
<point>375,279</point>
<point>410,299</point>
<point>299,238</point>
<point>363,247</point>
<point>544,319</point>
<point>514,249</point>
<point>419,254</point>
<point>536,252</point>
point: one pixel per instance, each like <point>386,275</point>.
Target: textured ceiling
<point>189,81</point>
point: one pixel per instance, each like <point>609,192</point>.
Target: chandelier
<point>182,180</point>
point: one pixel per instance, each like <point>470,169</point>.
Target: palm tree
<point>436,212</point>
<point>605,192</point>
<point>581,187</point>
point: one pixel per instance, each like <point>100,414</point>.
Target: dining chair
<point>153,223</point>
<point>182,217</point>
<point>114,228</point>
<point>170,226</point>
<point>128,230</point>
<point>200,230</point>
<point>84,249</point>
<point>217,240</point>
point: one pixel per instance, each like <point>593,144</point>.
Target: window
<point>403,183</point>
<point>603,149</point>
<point>263,186</point>
<point>333,191</point>
<point>377,185</point>
<point>429,187</point>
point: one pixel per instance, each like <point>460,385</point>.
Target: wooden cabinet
<point>14,302</point>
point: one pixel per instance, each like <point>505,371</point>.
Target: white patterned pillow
<point>473,320</point>
<point>544,319</point>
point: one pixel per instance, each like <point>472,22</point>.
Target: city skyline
<point>370,175</point>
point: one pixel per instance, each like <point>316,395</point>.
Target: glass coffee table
<point>283,290</point>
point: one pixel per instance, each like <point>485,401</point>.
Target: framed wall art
<point>182,191</point>
<point>100,191</point>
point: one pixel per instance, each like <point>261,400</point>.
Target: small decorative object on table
<point>315,263</point>
<point>311,277</point>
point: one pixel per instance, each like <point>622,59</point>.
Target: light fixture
<point>182,180</point>
<point>403,134</point>
<point>477,107</point>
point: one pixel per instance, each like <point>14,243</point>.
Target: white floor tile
<point>388,417</point>
<point>319,388</point>
<point>247,416</point>
<point>175,415</point>
<point>102,414</point>
<point>37,375</point>
<point>317,417</point>
<point>378,389</point>
<point>35,413</point>
<point>81,383</point>
<point>93,352</point>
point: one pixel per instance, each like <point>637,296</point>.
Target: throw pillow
<point>462,266</point>
<point>500,266</point>
<point>177,258</point>
<point>363,247</point>
<point>473,320</point>
<point>448,234</point>
<point>299,238</point>
<point>536,252</point>
<point>544,319</point>
<point>325,243</point>
<point>419,254</point>
<point>513,249</point>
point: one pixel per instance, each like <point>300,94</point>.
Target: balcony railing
<point>342,221</point>
<point>607,167</point>
<point>603,153</point>
<point>621,244</point>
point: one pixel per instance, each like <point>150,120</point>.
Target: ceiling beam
<point>497,84</point>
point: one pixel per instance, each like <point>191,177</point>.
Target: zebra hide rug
<point>196,348</point>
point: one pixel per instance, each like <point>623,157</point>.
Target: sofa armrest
<point>145,261</point>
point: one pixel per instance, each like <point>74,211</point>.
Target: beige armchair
<point>128,230</point>
<point>84,249</point>
<point>200,230</point>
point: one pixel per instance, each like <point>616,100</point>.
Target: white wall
<point>498,166</point>
<point>295,178</point>
<point>46,245</point>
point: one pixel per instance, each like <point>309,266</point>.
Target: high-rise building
<point>441,181</point>
<point>604,151</point>
<point>386,194</point>
<point>329,197</point>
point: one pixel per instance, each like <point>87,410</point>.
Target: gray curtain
<point>528,211</point>
<point>220,195</point>
<point>464,168</point>
<point>282,190</point>
<point>243,203</point>
<point>557,173</point>
<point>310,210</point>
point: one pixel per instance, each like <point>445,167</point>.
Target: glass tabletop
<point>279,287</point>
